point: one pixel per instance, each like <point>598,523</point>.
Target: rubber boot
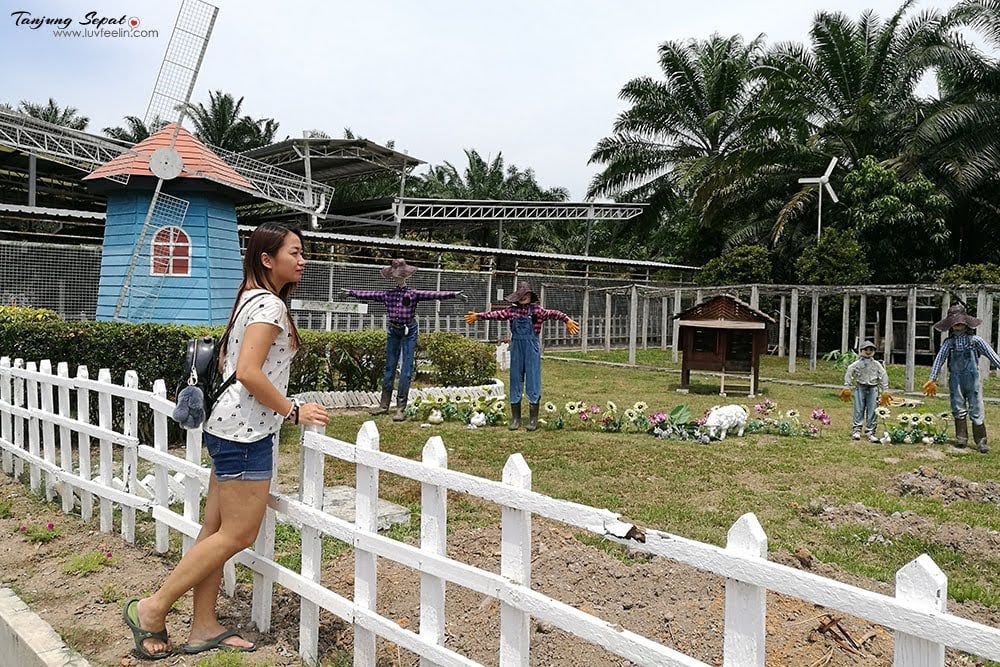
<point>961,432</point>
<point>515,417</point>
<point>400,414</point>
<point>383,404</point>
<point>979,435</point>
<point>532,417</point>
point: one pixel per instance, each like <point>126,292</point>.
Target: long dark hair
<point>267,238</point>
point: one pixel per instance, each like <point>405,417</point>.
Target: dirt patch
<point>670,603</point>
<point>926,481</point>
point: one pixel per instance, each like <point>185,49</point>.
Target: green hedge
<point>327,361</point>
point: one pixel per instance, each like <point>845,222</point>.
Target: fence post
<point>192,485</point>
<point>130,457</point>
<point>541,332</point>
<point>633,323</point>
<point>48,428</point>
<point>845,323</point>
<point>365,563</point>
<point>781,326</point>
<point>911,337</point>
<point>65,440</point>
<point>434,540</point>
<point>31,386</point>
<point>515,564</point>
<point>922,583</point>
<point>813,330</point>
<point>887,343</point>
<point>607,321</point>
<point>6,418</point>
<point>645,322</point>
<point>263,585</point>
<point>161,492</point>
<point>945,304</point>
<point>83,443</point>
<point>18,422</point>
<point>745,603</point>
<point>675,335</point>
<point>984,311</point>
<point>104,465</point>
<point>585,321</point>
<point>313,462</point>
<point>793,330</point>
<point>755,297</point>
<point>863,320</point>
<point>664,321</point>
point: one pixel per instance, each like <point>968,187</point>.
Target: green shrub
<point>742,265</point>
<point>970,274</point>
<point>458,361</point>
<point>18,314</point>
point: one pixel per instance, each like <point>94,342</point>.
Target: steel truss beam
<point>411,210</point>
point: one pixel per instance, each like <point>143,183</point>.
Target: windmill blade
<point>830,167</point>
<point>833,195</point>
<point>58,144</point>
<point>810,180</point>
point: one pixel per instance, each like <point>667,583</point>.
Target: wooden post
<point>746,604</point>
<point>793,330</point>
<point>755,297</point>
<point>366,563</point>
<point>911,336</point>
<point>664,321</point>
<point>984,311</point>
<point>48,428</point>
<point>34,439</point>
<point>845,322</point>
<point>130,457</point>
<point>782,315</point>
<point>161,492</point>
<point>65,440</point>
<point>676,335</point>
<point>633,323</point>
<point>433,540</point>
<point>922,584</point>
<point>6,419</point>
<point>945,305</point>
<point>18,422</point>
<point>104,467</point>
<point>813,330</point>
<point>263,584</point>
<point>311,474</point>
<point>862,320</point>
<point>83,444</point>
<point>192,485</point>
<point>607,321</point>
<point>515,564</point>
<point>585,323</point>
<point>887,343</point>
<point>645,322</point>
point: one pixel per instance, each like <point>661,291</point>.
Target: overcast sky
<point>536,80</point>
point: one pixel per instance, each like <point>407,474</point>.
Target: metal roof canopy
<point>479,250</point>
<point>328,160</point>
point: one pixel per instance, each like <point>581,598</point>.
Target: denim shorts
<point>248,461</point>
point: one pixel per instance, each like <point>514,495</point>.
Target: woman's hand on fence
<point>572,327</point>
<point>885,399</point>
<point>463,296</point>
<point>471,317</point>
<point>313,414</point>
<point>845,394</point>
<point>930,388</point>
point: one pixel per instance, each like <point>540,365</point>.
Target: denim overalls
<point>963,385</point>
<point>400,344</point>
<point>525,361</point>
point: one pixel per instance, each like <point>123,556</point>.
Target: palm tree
<point>221,125</point>
<point>135,130</point>
<point>52,113</point>
<point>678,130</point>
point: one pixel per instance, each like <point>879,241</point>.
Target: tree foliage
<point>220,124</point>
<point>739,265</point>
<point>970,274</point>
<point>51,112</point>
<point>836,259</point>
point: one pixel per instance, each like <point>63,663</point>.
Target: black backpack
<point>200,386</point>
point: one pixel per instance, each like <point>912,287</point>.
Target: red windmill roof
<point>199,161</point>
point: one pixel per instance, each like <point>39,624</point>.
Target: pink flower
<point>813,428</point>
<point>22,529</point>
<point>825,420</point>
<point>595,409</point>
<point>107,554</point>
<point>50,525</point>
<point>584,416</point>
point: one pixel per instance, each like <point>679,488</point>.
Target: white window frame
<point>183,239</point>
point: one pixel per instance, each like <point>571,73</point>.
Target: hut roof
<point>199,160</point>
<point>724,311</point>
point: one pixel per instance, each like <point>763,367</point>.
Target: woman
<point>239,435</point>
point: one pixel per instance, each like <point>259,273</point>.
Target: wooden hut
<point>723,334</point>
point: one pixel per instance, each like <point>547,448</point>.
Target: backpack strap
<point>225,339</point>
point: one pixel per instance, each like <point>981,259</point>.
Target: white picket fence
<point>42,412</point>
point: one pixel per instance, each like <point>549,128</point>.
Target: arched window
<point>171,252</point>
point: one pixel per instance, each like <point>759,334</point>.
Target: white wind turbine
<point>822,182</point>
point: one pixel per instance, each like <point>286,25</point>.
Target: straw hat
<point>398,270</point>
<point>957,315</point>
<point>523,288</point>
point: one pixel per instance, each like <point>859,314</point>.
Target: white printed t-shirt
<point>237,415</point>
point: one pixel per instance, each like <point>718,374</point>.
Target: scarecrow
<point>526,317</point>
<point>401,335</point>
<point>871,386</point>
<point>962,349</point>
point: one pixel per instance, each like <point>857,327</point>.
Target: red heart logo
<point>134,22</point>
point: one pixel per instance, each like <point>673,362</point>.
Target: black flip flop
<point>139,635</point>
<point>216,642</point>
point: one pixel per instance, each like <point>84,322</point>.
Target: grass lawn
<point>698,491</point>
